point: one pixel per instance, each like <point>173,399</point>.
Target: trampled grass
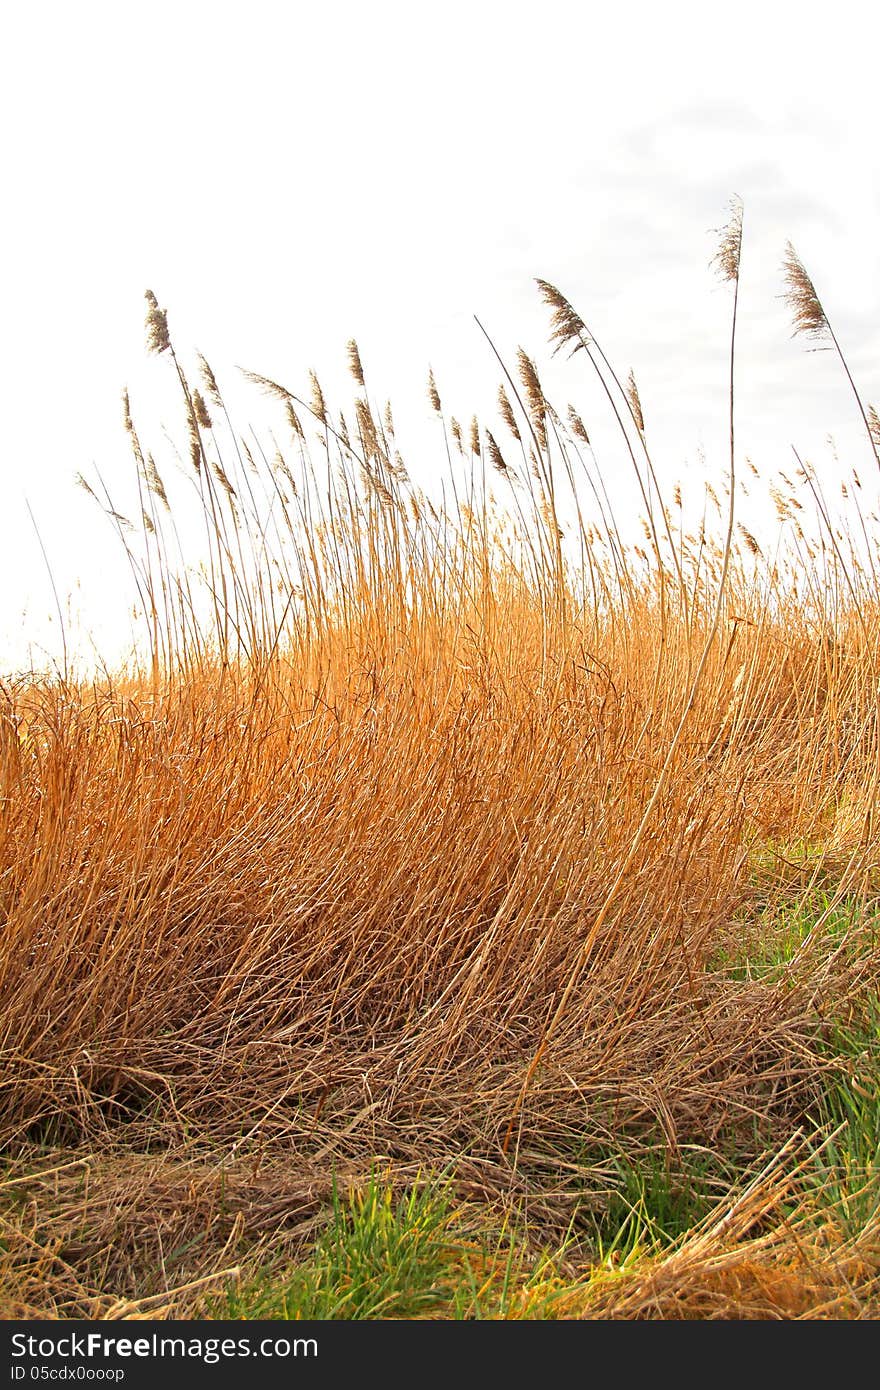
<point>467,907</point>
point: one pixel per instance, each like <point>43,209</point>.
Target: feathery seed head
<point>154,481</point>
<point>293,420</point>
<point>529,378</point>
<point>801,297</point>
<point>131,431</point>
<point>201,410</point>
<point>157,325</point>
<point>781,503</point>
<point>534,395</point>
<point>635,404</point>
<point>567,325</point>
<point>367,429</point>
<point>727,257</point>
<point>577,425</point>
<point>195,445</point>
<point>319,407</point>
<point>507,414</point>
<point>222,479</point>
<point>495,456</point>
<point>373,483</point>
<point>433,393</point>
<point>475,437</point>
<point>80,481</point>
<point>266,383</point>
<point>279,465</point>
<point>212,390</point>
<point>354,362</point>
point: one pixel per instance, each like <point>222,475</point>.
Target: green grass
<point>847,1159</point>
<point>412,1254</point>
<point>415,1254</point>
<point>657,1201</point>
<point>383,1255</point>
<point>782,929</point>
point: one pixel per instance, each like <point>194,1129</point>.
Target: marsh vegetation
<point>466,907</point>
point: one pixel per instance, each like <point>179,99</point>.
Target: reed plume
<point>635,404</point>
<point>568,328</point>
<point>728,254</point>
<point>577,425</point>
<point>293,420</point>
<point>800,295</point>
<point>507,414</point>
<point>495,456</point>
<point>318,404</point>
<point>200,411</point>
<point>154,481</point>
<point>158,339</point>
<point>354,362</point>
<point>209,381</point>
<point>475,437</point>
<point>534,393</point>
<point>811,320</point>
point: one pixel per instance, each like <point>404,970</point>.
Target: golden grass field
<point>450,846</point>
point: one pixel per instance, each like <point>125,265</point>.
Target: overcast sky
<point>286,176</point>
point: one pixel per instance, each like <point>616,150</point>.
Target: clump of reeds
<point>431,816</point>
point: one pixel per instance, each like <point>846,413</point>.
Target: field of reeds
<point>468,905</point>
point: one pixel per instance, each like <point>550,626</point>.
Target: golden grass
<point>422,837</point>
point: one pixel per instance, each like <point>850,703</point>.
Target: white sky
<point>286,176</point>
